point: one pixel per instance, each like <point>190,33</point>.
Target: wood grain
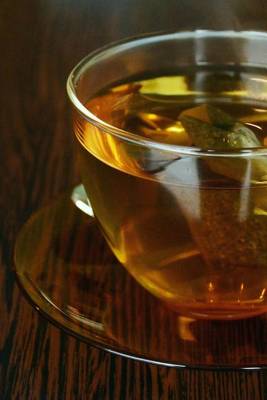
<point>40,41</point>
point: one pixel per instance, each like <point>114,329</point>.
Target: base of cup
<point>217,312</point>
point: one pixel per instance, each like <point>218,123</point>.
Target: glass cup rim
<point>124,135</point>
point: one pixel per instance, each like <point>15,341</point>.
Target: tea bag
<point>231,228</point>
<point>211,128</point>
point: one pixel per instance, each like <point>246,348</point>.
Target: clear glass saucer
<point>69,274</point>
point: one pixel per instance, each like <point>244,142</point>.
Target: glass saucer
<point>69,274</point>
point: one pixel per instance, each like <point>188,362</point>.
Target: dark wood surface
<point>40,41</point>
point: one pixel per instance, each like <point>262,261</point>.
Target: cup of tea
<point>171,135</point>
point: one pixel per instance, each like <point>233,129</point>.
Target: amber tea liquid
<point>193,237</point>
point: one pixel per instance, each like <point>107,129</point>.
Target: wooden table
<point>40,41</point>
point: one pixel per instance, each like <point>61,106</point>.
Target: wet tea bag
<point>210,128</point>
<point>231,227</point>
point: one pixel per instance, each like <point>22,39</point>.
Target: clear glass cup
<point>197,243</point>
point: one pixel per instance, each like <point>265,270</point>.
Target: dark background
<point>40,41</point>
